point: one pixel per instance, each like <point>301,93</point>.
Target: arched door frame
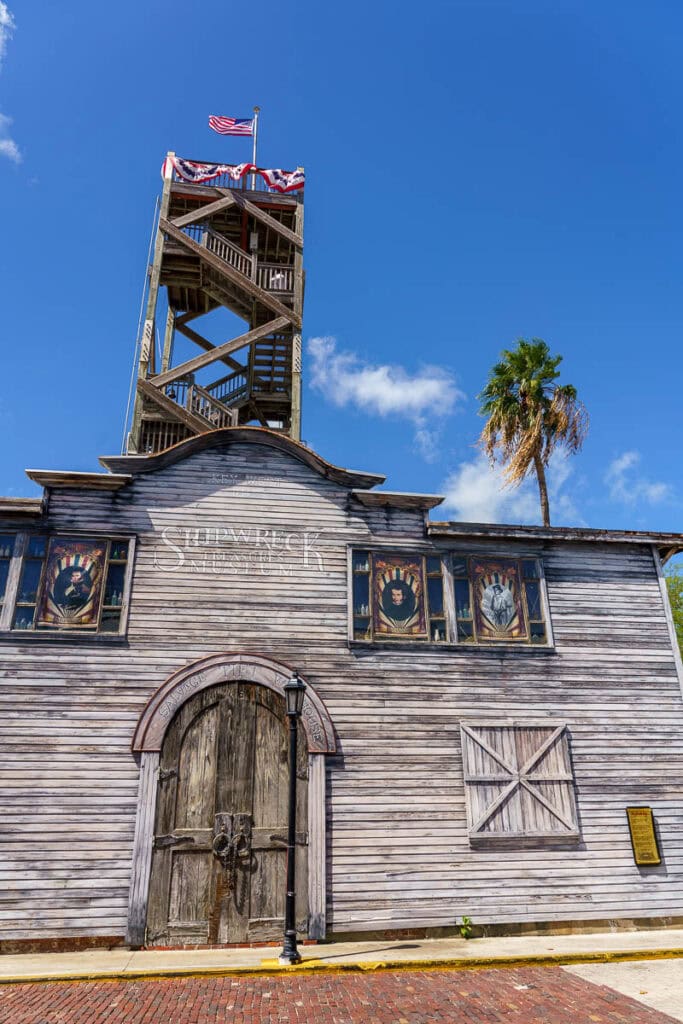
<point>147,743</point>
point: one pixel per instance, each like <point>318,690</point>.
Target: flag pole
<point>253,158</point>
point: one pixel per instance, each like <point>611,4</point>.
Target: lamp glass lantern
<point>295,690</point>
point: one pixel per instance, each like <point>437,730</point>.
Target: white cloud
<point>388,390</point>
<point>628,486</point>
<point>6,27</point>
<point>8,146</point>
<point>475,493</point>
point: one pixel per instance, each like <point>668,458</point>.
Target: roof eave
<point>397,499</point>
<point>81,481</point>
<point>673,541</point>
<point>136,464</point>
<point>31,508</point>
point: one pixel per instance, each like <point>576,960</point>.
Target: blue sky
<point>476,171</point>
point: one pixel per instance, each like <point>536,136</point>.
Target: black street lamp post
<point>295,689</point>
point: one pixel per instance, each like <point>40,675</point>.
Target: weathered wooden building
<point>483,702</point>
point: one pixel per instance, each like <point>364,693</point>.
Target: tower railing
<point>272,277</point>
<point>229,389</point>
<point>200,401</point>
<point>275,277</point>
<point>228,252</point>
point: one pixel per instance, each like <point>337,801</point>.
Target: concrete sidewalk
<point>456,953</point>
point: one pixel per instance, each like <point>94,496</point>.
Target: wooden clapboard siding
<point>398,847</point>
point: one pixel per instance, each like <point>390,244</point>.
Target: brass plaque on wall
<point>643,837</point>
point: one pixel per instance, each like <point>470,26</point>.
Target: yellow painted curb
<point>317,965</point>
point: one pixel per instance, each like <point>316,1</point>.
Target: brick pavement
<point>547,995</point>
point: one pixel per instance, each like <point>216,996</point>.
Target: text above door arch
<point>225,668</point>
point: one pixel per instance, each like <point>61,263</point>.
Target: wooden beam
<point>209,346</point>
<point>258,414</point>
<point>232,275</point>
<point>169,331</point>
<point>196,423</point>
<point>220,350</point>
<point>270,222</point>
<point>201,214</point>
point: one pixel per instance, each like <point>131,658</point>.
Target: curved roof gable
<point>135,464</point>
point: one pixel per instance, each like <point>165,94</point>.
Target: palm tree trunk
<point>542,489</point>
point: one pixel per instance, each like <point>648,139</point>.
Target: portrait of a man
<point>72,584</point>
<point>398,601</point>
<point>498,605</point>
<point>498,610</point>
<point>398,605</point>
<point>72,588</point>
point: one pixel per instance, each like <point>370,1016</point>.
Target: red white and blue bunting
<point>190,170</point>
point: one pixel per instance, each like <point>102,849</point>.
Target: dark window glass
<point>533,600</point>
<point>110,621</point>
<point>4,573</point>
<point>30,581</point>
<point>530,569</point>
<point>361,628</point>
<point>119,551</point>
<point>361,561</point>
<point>435,594</point>
<point>23,617</point>
<point>36,547</point>
<point>538,633</point>
<point>6,549</point>
<point>459,567</point>
<point>462,599</point>
<point>465,632</point>
<point>113,592</point>
<point>434,564</point>
<point>437,630</point>
<point>361,595</point>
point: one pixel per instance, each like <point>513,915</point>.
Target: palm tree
<point>529,415</point>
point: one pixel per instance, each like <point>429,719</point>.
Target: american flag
<point>232,125</point>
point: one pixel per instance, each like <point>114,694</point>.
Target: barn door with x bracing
<point>219,859</point>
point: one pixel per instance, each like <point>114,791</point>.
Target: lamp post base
<point>290,954</point>
<point>288,959</point>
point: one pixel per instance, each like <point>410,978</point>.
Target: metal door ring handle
<point>220,844</point>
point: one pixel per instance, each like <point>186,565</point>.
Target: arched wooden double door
<point>219,858</point>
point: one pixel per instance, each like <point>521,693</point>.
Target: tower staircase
<point>235,246</point>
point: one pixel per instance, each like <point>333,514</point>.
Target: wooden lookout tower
<point>230,242</point>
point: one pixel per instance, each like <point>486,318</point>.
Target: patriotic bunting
<point>190,170</point>
<point>283,181</point>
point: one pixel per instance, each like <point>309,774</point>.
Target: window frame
<point>414,551</point>
<point>504,644</point>
<point>22,540</point>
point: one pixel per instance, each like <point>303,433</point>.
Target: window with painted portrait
<point>67,583</point>
<point>397,596</point>
<point>499,600</point>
